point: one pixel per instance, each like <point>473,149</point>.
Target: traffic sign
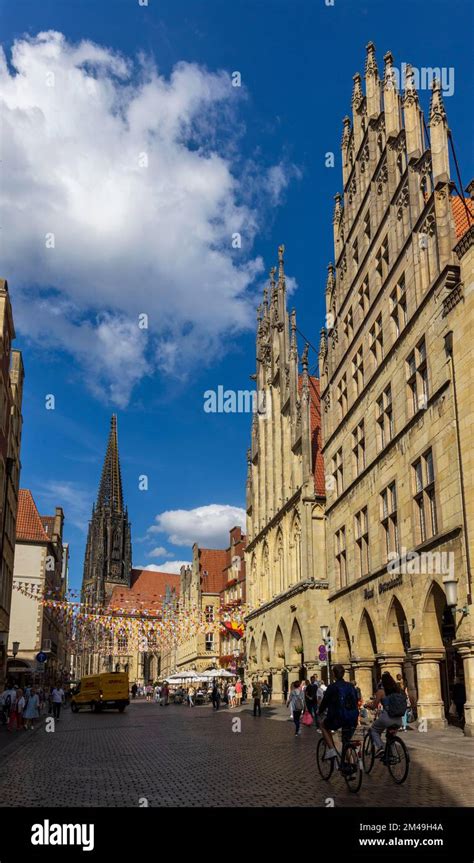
<point>323,655</point>
<point>41,657</point>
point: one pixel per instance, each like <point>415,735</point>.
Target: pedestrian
<point>404,688</point>
<point>310,697</point>
<point>16,711</point>
<point>191,694</point>
<point>459,697</point>
<point>164,695</point>
<point>238,692</point>
<point>320,692</point>
<point>257,696</point>
<point>296,701</point>
<point>215,696</point>
<point>285,690</point>
<point>231,695</point>
<point>8,697</point>
<point>134,690</point>
<point>265,692</point>
<point>57,698</point>
<point>157,692</point>
<point>31,712</point>
<point>244,692</point>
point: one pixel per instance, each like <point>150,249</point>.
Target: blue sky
<point>128,243</point>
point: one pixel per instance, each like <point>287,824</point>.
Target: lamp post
<point>15,648</point>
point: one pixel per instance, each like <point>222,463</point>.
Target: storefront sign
<point>389,585</point>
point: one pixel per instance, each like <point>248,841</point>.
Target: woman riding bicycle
<point>393,701</point>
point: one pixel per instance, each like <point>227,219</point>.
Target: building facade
<point>11,395</point>
<point>39,572</point>
<point>395,369</point>
<point>201,584</point>
<point>233,597</point>
<point>285,556</point>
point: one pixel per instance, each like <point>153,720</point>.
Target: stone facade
<point>40,570</point>
<point>200,600</point>
<point>396,385</point>
<point>11,395</point>
<point>285,557</point>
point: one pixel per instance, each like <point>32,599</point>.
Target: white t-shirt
<point>320,692</point>
<point>57,696</point>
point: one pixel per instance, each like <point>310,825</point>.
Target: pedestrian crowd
<point>21,708</point>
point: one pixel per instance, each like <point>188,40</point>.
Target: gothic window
<point>361,532</point>
<point>209,613</point>
<point>389,518</point>
<point>348,325</point>
<point>358,371</point>
<point>122,642</point>
<point>338,471</point>
<point>358,448</point>
<point>384,418</point>
<point>376,341</point>
<point>340,553</point>
<point>398,307</point>
<point>363,297</point>
<point>342,395</point>
<point>424,497</point>
<point>417,378</point>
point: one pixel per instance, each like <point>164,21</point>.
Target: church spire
<point>110,489</point>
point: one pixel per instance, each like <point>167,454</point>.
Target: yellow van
<point>101,691</point>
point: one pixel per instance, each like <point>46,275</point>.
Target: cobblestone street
<point>176,756</point>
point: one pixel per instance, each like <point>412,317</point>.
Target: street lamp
<point>324,632</point>
<point>15,648</point>
<point>451,588</point>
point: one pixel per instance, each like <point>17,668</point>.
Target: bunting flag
<point>132,626</point>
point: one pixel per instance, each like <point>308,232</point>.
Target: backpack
<point>396,704</point>
<point>347,709</point>
<point>298,703</point>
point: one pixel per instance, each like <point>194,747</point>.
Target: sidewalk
<point>450,741</point>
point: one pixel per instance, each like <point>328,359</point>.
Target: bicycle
<point>348,760</point>
<point>395,755</point>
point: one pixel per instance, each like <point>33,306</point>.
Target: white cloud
<point>172,566</point>
<point>207,525</point>
<point>160,552</point>
<point>75,500</point>
<point>128,239</point>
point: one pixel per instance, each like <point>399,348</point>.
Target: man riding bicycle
<point>338,710</point>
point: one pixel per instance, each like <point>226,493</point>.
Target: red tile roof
<point>148,589</point>
<point>315,419</point>
<point>462,222</point>
<point>213,562</point>
<point>29,525</point>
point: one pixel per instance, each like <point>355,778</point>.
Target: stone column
<point>391,662</point>
<point>277,688</point>
<point>430,702</point>
<point>409,670</point>
<point>466,650</point>
<point>363,676</point>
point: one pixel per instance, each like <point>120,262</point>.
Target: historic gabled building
<point>200,598</point>
<point>285,557</point>
<point>40,571</point>
<point>108,557</point>
<point>233,596</point>
<point>11,395</point>
<point>398,405</point>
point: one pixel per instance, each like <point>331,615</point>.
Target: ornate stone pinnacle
<point>437,110</point>
<point>371,62</point>
<point>357,94</point>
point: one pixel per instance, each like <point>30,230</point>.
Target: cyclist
<point>394,704</point>
<point>338,709</point>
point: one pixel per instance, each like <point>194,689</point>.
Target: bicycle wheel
<point>397,759</point>
<point>351,769</point>
<point>325,766</point>
<point>368,753</point>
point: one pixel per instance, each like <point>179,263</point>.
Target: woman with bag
<point>31,711</point>
<point>296,702</point>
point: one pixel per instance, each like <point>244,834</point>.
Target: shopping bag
<point>307,718</point>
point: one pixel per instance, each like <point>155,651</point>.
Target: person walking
<point>191,694</point>
<point>215,696</point>
<point>57,698</point>
<point>310,697</point>
<point>265,692</point>
<point>296,701</point>
<point>164,695</point>
<point>16,711</point>
<point>231,694</point>
<point>238,692</point>
<point>134,690</point>
<point>31,712</point>
<point>8,698</point>
<point>257,697</point>
<point>404,688</point>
